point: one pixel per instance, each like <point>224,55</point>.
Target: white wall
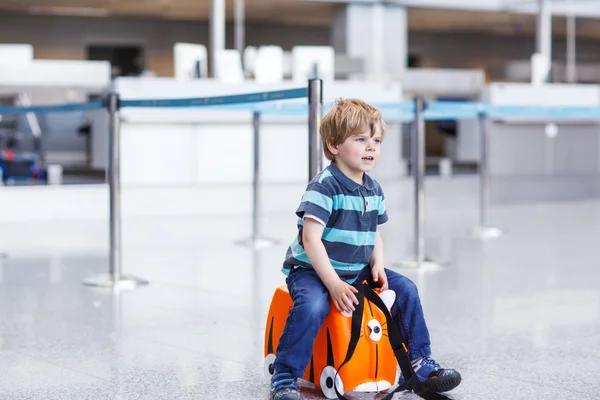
<point>16,53</point>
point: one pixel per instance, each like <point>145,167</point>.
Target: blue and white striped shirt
<point>351,213</point>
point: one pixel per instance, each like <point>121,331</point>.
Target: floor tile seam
<point>78,372</point>
<point>541,384</point>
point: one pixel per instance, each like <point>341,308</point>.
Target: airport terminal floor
<point>518,315</point>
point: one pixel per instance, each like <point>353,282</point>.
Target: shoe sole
<point>442,384</point>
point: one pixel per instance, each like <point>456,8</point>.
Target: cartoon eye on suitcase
<point>373,366</point>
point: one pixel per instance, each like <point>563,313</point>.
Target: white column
<point>217,31</point>
<point>544,33</point>
<point>395,40</point>
<point>377,33</point>
<point>239,15</point>
<point>377,44</point>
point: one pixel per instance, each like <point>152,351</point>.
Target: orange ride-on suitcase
<point>373,366</point>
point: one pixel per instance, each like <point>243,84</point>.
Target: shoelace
<point>284,380</point>
<point>431,363</point>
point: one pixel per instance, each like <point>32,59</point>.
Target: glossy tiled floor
<point>519,316</point>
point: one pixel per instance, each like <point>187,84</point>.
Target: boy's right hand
<point>343,296</point>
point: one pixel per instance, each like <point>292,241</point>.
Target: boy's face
<point>357,154</point>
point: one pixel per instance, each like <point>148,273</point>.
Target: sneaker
<point>433,376</point>
<point>284,387</point>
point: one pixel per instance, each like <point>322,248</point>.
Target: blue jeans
<point>311,306</point>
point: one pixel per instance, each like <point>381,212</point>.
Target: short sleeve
<point>310,216</point>
<point>316,201</point>
<point>382,215</point>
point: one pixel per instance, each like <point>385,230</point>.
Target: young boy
<point>339,242</point>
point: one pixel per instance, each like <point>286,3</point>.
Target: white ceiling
<point>300,12</point>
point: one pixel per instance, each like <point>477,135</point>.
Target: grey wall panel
<point>576,150</point>
<point>526,150</point>
<point>516,150</point>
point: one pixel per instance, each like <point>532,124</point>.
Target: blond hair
<point>346,118</point>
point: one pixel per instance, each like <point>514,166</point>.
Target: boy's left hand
<point>379,276</point>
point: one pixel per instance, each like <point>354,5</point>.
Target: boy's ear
<point>332,148</point>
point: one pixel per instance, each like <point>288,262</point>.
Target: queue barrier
<point>415,111</point>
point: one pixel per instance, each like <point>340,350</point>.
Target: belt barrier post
<point>315,114</point>
<point>420,260</point>
<point>115,278</point>
<point>256,177</point>
<point>2,255</point>
<point>483,231</point>
<point>256,240</point>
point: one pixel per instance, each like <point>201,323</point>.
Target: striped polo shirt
<point>351,213</point>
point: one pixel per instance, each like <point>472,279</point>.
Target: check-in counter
<point>522,146</point>
<point>53,82</point>
<point>191,146</point>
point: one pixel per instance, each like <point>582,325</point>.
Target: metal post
<point>2,255</point>
<point>115,278</point>
<point>256,240</point>
<point>420,261</point>
<point>217,33</point>
<point>483,231</point>
<point>2,268</point>
<point>315,114</point>
<point>239,16</point>
<point>484,192</point>
<point>114,184</point>
<point>256,179</point>
<point>418,150</point>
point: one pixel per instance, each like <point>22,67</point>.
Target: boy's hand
<point>379,275</point>
<point>343,296</point>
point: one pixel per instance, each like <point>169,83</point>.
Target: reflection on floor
<point>518,316</point>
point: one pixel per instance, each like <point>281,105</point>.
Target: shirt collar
<point>349,183</point>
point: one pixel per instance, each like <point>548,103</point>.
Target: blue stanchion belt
<point>267,103</point>
<point>449,110</point>
<point>403,110</point>
<point>536,112</point>
<point>94,105</point>
<point>220,100</point>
